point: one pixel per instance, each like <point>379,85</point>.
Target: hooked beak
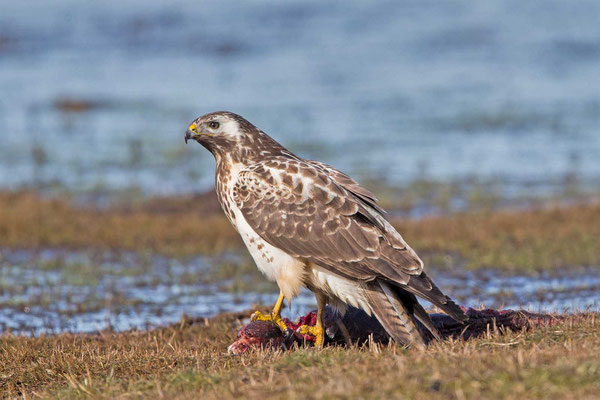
<point>188,136</point>
<point>191,133</point>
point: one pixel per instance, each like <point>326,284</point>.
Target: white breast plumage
<point>277,265</point>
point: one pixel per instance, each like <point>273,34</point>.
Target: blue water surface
<point>493,90</point>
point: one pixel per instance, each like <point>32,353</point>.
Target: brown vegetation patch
<point>181,227</point>
<point>538,239</point>
<point>76,105</point>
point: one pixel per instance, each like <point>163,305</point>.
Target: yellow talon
<point>275,318</point>
<point>316,331</point>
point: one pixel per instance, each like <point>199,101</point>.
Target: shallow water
<point>57,291</point>
<point>97,96</point>
<point>573,290</point>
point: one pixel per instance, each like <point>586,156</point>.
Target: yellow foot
<point>276,319</point>
<point>316,331</point>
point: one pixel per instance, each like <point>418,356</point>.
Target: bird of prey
<point>306,224</point>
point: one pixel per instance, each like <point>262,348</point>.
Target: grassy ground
<point>543,238</point>
<point>189,360</point>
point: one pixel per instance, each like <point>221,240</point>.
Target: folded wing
<point>317,213</point>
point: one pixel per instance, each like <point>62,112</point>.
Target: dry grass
<point>184,226</point>
<point>539,239</point>
<point>88,362</point>
<point>190,361</point>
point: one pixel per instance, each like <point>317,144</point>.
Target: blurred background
<point>96,96</point>
<point>442,105</point>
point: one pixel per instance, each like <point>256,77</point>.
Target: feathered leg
<point>317,330</point>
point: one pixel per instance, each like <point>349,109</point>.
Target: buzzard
<point>306,224</point>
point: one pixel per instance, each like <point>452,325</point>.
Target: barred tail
<point>398,312</point>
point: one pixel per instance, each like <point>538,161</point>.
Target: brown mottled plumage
<point>308,224</point>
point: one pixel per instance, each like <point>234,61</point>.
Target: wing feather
<point>336,225</point>
<point>349,184</point>
<point>312,211</point>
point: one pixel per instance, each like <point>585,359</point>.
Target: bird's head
<point>223,132</point>
<point>220,127</point>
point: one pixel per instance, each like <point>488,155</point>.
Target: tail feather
<point>393,314</point>
<point>419,312</point>
<point>424,287</point>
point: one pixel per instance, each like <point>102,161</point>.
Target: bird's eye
<point>213,124</point>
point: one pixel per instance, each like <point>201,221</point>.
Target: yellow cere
<point>192,127</point>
